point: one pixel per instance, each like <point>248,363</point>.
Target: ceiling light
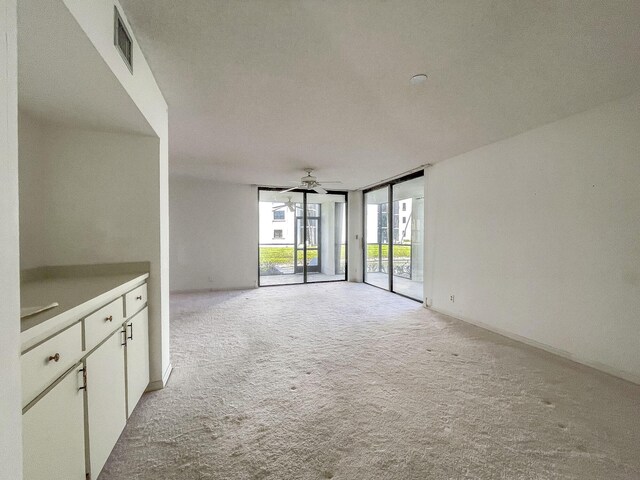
<point>418,79</point>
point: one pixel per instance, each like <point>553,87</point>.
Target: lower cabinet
<point>53,432</point>
<point>137,329</point>
<point>82,384</point>
<point>106,399</point>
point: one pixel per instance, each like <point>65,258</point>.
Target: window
<point>395,263</point>
<point>303,246</point>
<point>395,221</point>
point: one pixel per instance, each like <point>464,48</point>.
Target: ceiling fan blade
<point>332,181</point>
<point>292,207</point>
<point>278,207</point>
<point>319,189</point>
<point>292,188</point>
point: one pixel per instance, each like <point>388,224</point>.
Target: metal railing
<point>380,261</point>
<point>284,263</point>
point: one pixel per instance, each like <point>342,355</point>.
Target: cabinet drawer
<point>46,362</point>
<point>135,300</point>
<point>99,325</point>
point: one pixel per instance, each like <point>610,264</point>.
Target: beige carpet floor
<point>346,381</point>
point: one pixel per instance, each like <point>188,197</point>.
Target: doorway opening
<point>302,237</point>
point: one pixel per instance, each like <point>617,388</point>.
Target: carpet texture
<point>346,381</point>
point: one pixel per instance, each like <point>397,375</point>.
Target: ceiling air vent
<point>122,39</point>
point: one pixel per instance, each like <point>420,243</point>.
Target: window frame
<point>390,227</point>
<point>305,192</point>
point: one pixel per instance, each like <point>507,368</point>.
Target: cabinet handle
<point>124,331</point>
<point>55,358</point>
<point>139,297</point>
<point>84,379</point>
<point>131,326</point>
<point>109,318</point>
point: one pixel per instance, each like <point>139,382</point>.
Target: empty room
<point>320,239</point>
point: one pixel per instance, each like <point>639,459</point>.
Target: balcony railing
<point>279,259</point>
<point>378,259</point>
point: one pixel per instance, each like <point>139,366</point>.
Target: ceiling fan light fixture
<point>418,79</point>
<point>310,182</point>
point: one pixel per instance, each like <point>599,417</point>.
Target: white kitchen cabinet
<point>42,365</point>
<point>106,399</point>
<point>102,323</point>
<point>135,300</point>
<point>53,433</point>
<point>100,347</point>
<point>137,358</point>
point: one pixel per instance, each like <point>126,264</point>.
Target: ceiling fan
<point>309,182</point>
<point>289,204</point>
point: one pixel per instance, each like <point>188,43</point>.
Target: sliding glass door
<point>326,237</point>
<point>281,245</point>
<point>408,238</point>
<point>302,237</point>
<point>394,236</point>
<point>376,252</point>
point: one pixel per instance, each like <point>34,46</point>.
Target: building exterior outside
<point>282,243</point>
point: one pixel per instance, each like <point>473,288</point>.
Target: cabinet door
<point>137,357</point>
<point>106,399</point>
<point>53,433</point>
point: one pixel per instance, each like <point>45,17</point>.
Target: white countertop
<point>77,296</point>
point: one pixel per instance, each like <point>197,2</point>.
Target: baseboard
<point>160,384</point>
<point>624,375</point>
<point>205,290</point>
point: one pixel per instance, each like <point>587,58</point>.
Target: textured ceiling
<point>259,89</point>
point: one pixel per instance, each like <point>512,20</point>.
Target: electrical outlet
<point>452,298</point>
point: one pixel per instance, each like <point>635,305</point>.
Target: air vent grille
<point>122,39</point>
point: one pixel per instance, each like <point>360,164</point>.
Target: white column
<point>327,238</point>
<point>355,237</point>
<point>10,411</point>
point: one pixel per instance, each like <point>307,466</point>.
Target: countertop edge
<point>38,333</point>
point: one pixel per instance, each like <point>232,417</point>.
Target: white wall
<point>93,193</point>
<point>538,236</point>
<point>355,229</point>
<point>32,181</point>
<point>214,235</point>
<point>10,411</point>
<point>96,19</point>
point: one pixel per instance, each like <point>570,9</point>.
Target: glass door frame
<point>390,184</point>
<point>305,247</point>
<point>304,220</point>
